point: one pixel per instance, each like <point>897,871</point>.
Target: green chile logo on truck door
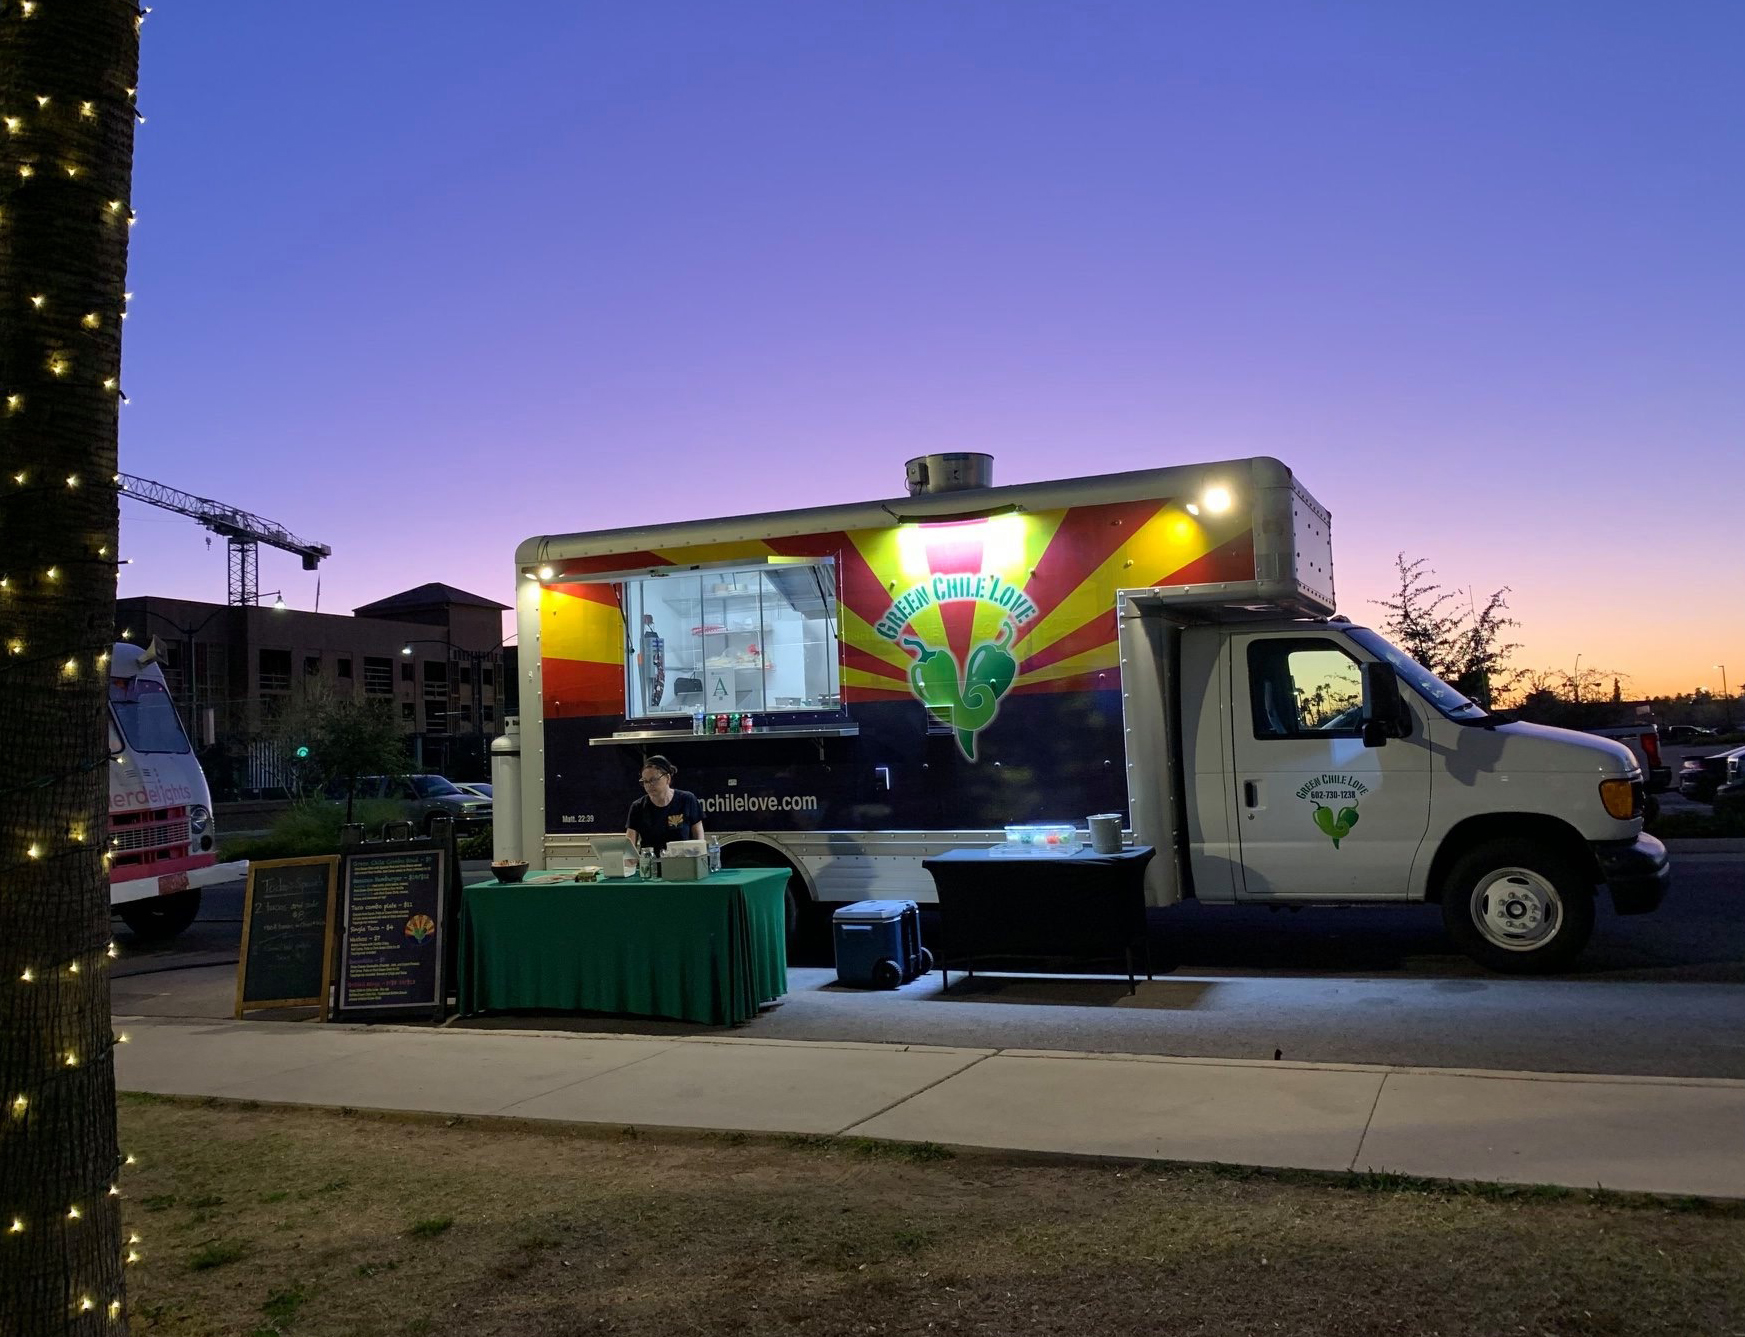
<point>1335,798</point>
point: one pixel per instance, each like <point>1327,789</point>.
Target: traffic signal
<point>302,754</point>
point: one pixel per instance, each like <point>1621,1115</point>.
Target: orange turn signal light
<point>1619,796</point>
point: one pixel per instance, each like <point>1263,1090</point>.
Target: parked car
<point>1687,733</point>
<point>1643,740</point>
<point>423,797</point>
<point>1700,777</point>
<point>478,789</point>
<point>1730,797</point>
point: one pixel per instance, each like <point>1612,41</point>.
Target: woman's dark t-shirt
<point>656,826</point>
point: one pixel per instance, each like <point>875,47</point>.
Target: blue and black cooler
<point>878,944</point>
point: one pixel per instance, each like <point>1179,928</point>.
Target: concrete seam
<point>581,1081</point>
<point>901,1100</point>
<point>1364,1135</point>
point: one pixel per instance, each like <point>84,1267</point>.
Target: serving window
<point>757,638</point>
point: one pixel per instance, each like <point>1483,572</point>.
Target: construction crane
<point>244,532</point>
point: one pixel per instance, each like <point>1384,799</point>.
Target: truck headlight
<point>1623,798</point>
<point>199,820</point>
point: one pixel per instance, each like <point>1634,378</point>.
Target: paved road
<point>1661,994</point>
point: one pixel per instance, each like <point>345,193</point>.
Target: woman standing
<point>663,813</point>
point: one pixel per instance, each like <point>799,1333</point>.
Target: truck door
<point>1319,815</point>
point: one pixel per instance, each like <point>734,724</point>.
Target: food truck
<point>849,689</point>
<point>163,843</point>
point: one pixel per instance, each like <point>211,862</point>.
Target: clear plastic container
<point>1041,838</point>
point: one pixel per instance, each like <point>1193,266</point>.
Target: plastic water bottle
<point>697,720</point>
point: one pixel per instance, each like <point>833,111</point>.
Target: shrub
<point>476,846</point>
<point>311,828</point>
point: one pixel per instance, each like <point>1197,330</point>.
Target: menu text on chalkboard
<point>287,934</point>
<point>391,952</point>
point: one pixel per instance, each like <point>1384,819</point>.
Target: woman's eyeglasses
<point>649,784</point>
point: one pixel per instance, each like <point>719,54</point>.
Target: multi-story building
<point>436,652</point>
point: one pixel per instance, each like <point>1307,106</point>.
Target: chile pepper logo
<point>968,703</point>
<point>1335,827</point>
<point>1335,798</point>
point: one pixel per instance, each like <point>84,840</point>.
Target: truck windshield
<point>146,715</point>
<point>1425,683</point>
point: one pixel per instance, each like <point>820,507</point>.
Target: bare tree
<point>1448,633</point>
<point>67,79</point>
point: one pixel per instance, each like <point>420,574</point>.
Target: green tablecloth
<point>709,951</point>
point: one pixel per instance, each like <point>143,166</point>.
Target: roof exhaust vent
<point>953,472</point>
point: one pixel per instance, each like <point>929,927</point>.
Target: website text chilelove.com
<point>717,804</point>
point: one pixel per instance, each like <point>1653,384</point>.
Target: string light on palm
<point>65,159</point>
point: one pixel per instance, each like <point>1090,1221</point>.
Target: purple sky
<point>421,282</point>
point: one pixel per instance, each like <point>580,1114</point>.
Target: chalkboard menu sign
<point>392,944</point>
<point>287,934</point>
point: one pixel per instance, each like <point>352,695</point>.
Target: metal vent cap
<point>954,471</point>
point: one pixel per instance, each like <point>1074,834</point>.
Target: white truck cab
<point>163,841</point>
<point>1318,764</point>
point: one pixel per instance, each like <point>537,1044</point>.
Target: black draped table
<point>1080,905</point>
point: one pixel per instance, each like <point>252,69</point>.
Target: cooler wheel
<point>887,974</point>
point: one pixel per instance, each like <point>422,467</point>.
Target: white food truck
<point>163,844</point>
<point>851,688</point>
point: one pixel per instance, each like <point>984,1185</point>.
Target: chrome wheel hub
<point>1516,909</point>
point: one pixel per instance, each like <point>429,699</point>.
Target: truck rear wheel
<point>157,918</point>
<point>1518,907</point>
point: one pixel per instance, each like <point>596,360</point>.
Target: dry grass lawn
<point>260,1222</point>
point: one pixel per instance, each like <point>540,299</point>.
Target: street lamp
<point>1576,681</point>
<point>188,634</point>
<point>1726,697</point>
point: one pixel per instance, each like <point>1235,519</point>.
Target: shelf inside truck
<point>638,736</point>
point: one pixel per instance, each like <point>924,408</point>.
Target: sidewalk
<point>1661,1135</point>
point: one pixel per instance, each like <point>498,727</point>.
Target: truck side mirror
<point>1384,710</point>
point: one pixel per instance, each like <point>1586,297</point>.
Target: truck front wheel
<point>157,918</point>
<point>1518,907</point>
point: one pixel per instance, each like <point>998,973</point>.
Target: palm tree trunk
<point>67,75</point>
